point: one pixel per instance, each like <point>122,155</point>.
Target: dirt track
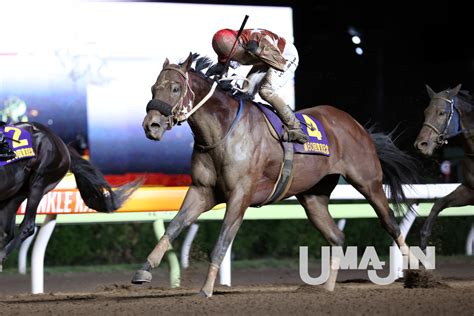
<point>274,291</point>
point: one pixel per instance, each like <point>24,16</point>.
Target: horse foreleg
<point>234,215</point>
<point>197,201</point>
<point>463,195</point>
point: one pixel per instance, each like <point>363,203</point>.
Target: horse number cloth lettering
<point>20,140</point>
<point>318,142</point>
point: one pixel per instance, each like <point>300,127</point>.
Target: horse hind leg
<point>316,207</point>
<point>374,193</point>
<point>8,211</point>
<point>37,189</point>
<point>368,181</point>
<point>463,195</point>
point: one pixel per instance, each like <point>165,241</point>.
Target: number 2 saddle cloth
<point>20,141</point>
<point>318,142</point>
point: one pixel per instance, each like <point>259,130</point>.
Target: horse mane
<point>465,95</point>
<point>201,63</point>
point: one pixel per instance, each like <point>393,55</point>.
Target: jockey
<point>269,53</point>
<point>6,153</point>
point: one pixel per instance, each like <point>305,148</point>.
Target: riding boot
<point>6,153</point>
<point>293,125</point>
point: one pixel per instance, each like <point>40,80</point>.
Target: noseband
<point>442,136</point>
<point>185,101</point>
<point>180,112</point>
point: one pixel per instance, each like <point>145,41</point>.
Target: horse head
<point>172,99</point>
<point>441,120</point>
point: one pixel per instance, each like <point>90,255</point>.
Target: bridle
<point>183,109</point>
<point>442,136</point>
<point>182,106</point>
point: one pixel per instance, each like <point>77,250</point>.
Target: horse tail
<point>94,189</point>
<point>398,168</point>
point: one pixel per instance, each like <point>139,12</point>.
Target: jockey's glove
<point>234,64</point>
<point>252,47</point>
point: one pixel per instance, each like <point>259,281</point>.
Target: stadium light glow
<point>356,39</point>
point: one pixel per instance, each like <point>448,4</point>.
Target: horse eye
<point>442,113</point>
<point>175,90</point>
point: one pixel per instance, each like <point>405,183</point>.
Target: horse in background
<point>236,160</point>
<point>449,113</point>
<point>48,161</point>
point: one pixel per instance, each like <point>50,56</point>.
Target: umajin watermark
<point>412,256</point>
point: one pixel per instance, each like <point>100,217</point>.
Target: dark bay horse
<point>237,161</point>
<point>449,113</point>
<point>32,178</point>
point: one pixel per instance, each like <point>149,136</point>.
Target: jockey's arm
<point>267,52</point>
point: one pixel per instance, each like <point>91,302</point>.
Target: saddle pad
<point>318,142</point>
<point>20,141</point>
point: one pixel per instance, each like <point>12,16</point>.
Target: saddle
<point>317,144</point>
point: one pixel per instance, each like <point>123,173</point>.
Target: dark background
<point>406,45</point>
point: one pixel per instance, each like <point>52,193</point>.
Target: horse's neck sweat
<point>211,121</point>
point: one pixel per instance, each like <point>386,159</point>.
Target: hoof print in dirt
<point>422,279</point>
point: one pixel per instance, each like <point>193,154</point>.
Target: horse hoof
<point>205,294</point>
<point>329,287</point>
<point>141,276</point>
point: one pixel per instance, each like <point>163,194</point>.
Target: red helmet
<point>222,43</point>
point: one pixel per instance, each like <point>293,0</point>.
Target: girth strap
<point>285,178</point>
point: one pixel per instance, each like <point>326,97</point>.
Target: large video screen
<point>85,69</point>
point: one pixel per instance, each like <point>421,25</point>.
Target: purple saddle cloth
<point>20,141</point>
<point>318,142</point>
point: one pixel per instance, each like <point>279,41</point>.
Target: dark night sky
<point>406,44</point>
<point>404,48</point>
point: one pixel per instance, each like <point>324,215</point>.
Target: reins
<point>204,100</point>
<point>178,107</point>
<point>231,128</point>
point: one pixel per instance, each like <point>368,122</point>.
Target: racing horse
<point>449,113</point>
<point>237,161</point>
<point>35,176</point>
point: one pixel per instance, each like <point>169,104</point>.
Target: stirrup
<point>6,153</point>
<point>4,156</point>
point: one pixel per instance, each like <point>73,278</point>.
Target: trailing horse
<point>450,113</point>
<point>237,159</point>
<point>43,160</point>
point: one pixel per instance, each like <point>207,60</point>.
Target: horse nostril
<point>421,145</point>
<point>155,125</point>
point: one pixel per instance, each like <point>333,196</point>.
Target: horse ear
<point>456,89</point>
<point>430,91</point>
<point>187,63</point>
<point>166,63</point>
